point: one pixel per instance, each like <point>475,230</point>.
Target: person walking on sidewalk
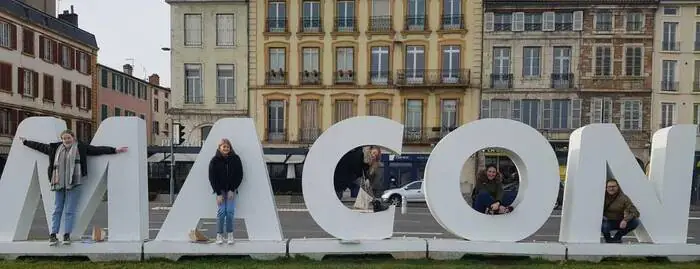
<point>225,176</point>
<point>67,170</point>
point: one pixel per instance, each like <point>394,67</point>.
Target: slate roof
<point>29,14</point>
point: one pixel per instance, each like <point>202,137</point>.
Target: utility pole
<point>172,160</point>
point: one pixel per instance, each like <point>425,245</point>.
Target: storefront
<point>404,168</point>
<point>506,166</point>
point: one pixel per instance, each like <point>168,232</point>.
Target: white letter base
<point>95,251</point>
<point>596,252</point>
<point>174,250</point>
<point>397,247</point>
<point>453,249</point>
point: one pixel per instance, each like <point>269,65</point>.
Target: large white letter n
<point>663,200</point>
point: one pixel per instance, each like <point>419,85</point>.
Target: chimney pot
<point>154,79</point>
<point>128,69</point>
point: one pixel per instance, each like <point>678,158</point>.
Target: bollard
<point>404,205</point>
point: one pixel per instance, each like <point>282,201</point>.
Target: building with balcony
<point>557,66</point>
<point>122,94</point>
<point>315,63</point>
<point>209,64</point>
<point>676,97</point>
<point>46,69</point>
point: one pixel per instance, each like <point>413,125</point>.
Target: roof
<point>131,76</point>
<point>570,2</point>
<point>204,1</point>
<point>28,13</point>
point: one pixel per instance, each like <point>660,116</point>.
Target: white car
<point>412,192</point>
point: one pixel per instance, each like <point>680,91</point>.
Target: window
<point>166,106</point>
<point>631,115</point>
<point>193,29</point>
<point>381,16</point>
<point>415,18</point>
<point>414,117</point>
<point>105,112</point>
<point>311,16</point>
<point>48,87</point>
<point>668,114</point>
<point>143,117</point>
<point>311,71</point>
<point>379,108</point>
<point>83,62</point>
<point>156,127</point>
<point>345,12</point>
<point>379,66</point>
<point>345,71</point>
<point>500,73</point>
<point>452,14</point>
<point>560,114</point>
<point>28,42</point>
<point>225,31</point>
<point>533,22</point>
<point>697,11</point>
<point>193,84</point>
<point>66,93</point>
<point>104,78</point>
<point>670,11</point>
<point>451,55</point>
<point>697,36</point>
<point>634,21</point>
<point>562,60</point>
<point>129,113</point>
<point>500,109</point>
<point>696,76</point>
<point>415,64</point>
<point>633,61</point>
<point>564,21</point>
<point>531,63</point>
<point>603,61</point>
<point>530,112</point>
<point>67,56</point>
<point>28,82</point>
<point>117,82</point>
<point>225,84</point>
<point>6,77</point>
<point>275,121</point>
<point>141,91</point>
<point>277,60</point>
<point>47,49</point>
<point>277,16</point>
<point>669,37</point>
<point>603,21</point>
<point>601,110</point>
<point>309,130</point>
<point>502,21</point>
<point>6,121</point>
<point>343,110</point>
<point>83,97</point>
<point>117,111</point>
<point>8,35</point>
<point>668,75</point>
<point>155,105</point>
<point>448,116</point>
<point>696,115</point>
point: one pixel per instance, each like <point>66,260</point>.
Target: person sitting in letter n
<point>619,214</point>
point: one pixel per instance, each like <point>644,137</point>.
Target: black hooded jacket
<point>225,172</point>
<point>349,168</point>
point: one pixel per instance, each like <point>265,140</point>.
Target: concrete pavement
<point>297,223</point>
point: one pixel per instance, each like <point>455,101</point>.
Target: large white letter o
<point>539,180</point>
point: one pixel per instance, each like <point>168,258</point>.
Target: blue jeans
<point>614,225</point>
<point>224,215</point>
<point>66,201</point>
<point>483,200</point>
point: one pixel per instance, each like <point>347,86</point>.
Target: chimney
<point>71,17</point>
<point>154,79</point>
<point>128,69</point>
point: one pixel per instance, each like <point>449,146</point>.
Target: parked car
<point>413,192</point>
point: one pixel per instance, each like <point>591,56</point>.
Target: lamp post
<point>172,150</point>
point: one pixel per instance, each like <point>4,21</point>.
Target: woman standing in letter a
<point>67,170</point>
<point>225,175</point>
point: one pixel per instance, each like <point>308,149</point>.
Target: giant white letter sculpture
<point>662,199</point>
<point>255,203</point>
<point>123,175</point>
<point>537,167</point>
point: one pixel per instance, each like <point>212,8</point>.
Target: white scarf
<point>65,167</point>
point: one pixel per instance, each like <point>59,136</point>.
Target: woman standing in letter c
<point>225,175</point>
<point>67,170</point>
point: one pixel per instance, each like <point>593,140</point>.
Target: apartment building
<point>160,104</point>
<point>46,68</point>
<point>315,63</point>
<point>677,62</point>
<point>209,64</point>
<point>557,66</point>
<point>122,94</point>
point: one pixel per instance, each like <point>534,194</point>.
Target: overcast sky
<point>127,29</point>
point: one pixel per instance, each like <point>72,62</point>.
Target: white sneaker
<point>219,239</point>
<point>230,239</point>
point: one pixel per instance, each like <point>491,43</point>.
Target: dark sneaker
<point>66,239</point>
<point>53,240</point>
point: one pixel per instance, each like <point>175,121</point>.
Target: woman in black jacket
<point>67,170</point>
<point>225,175</point>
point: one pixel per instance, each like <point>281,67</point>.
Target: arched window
<point>205,133</point>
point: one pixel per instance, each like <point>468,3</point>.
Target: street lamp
<point>172,149</point>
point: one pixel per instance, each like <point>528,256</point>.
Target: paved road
<point>297,223</point>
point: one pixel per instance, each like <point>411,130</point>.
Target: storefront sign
<point>662,197</point>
